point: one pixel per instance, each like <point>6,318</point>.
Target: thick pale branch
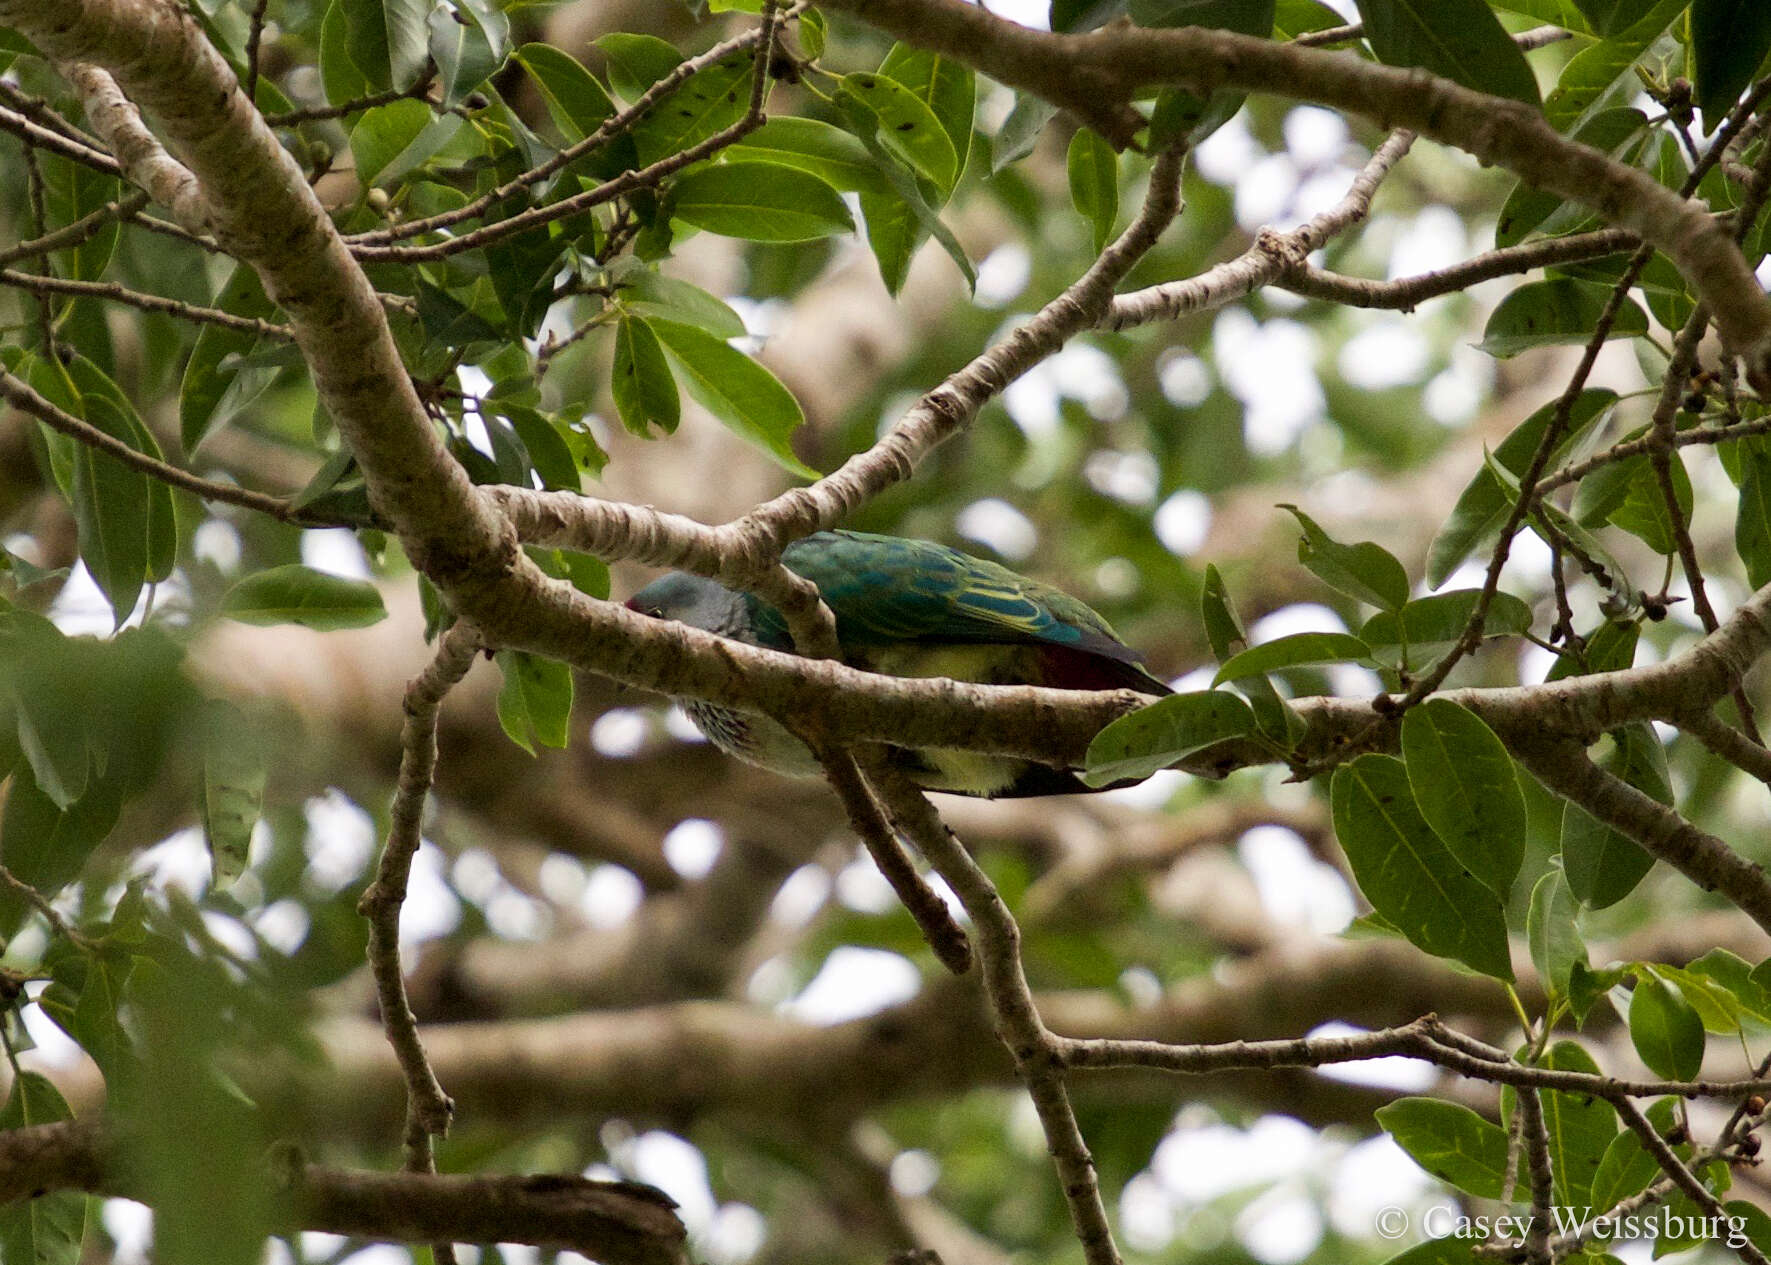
<point>1096,75</point>
<point>1700,856</point>
<point>622,1223</point>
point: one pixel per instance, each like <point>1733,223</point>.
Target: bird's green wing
<point>886,589</point>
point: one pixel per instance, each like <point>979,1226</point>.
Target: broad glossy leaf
<point>215,385</point>
<point>47,846</point>
<point>390,140</point>
<point>339,76</point>
<point>759,201</point>
<point>1458,39</point>
<point>1591,79</point>
<point>1154,737</point>
<point>162,538</point>
<point>737,390</point>
<point>636,62</point>
<point>1093,169</point>
<point>1644,512</point>
<point>947,87</point>
<point>72,191</point>
<point>831,154</point>
<point>295,594</point>
<point>1665,1030</point>
<point>1020,131</point>
<point>1733,974</point>
<point>48,1228</point>
<point>1610,647</point>
<point>1296,650</point>
<point>1580,1127</point>
<point>1223,629</point>
<point>1553,313</point>
<point>1482,506</point>
<point>231,787</point>
<point>1449,1141</point>
<point>1729,40</point>
<point>468,42</point>
<point>388,40</point>
<point>1608,17</point>
<point>1418,633</point>
<point>709,101</point>
<point>535,702</point>
<point>575,100</point>
<point>908,128</point>
<point>645,393</point>
<point>651,293</point>
<point>1626,1168</point>
<point>1077,16</point>
<point>1366,571</point>
<point>1551,932</point>
<point>112,505</point>
<point>1407,872</point>
<point>1752,521</point>
<point>1466,787</point>
<point>549,452</point>
<point>1602,865</point>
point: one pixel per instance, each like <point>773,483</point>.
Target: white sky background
<point>1311,1181</point>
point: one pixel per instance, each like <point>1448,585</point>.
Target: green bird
<point>913,608</point>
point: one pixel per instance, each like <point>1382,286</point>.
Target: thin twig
<point>428,1108</point>
<point>119,293</point>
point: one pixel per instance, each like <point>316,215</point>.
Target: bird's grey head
<point>697,601</point>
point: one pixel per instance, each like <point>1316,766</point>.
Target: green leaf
<point>111,509</point>
<point>294,594</point>
<point>1580,1127</point>
<point>1644,512</point>
<point>1073,17</point>
<point>1482,507</point>
<point>898,221</point>
<point>1020,131</point>
<point>636,62</point>
<point>1604,866</point>
<point>1451,1142</point>
<point>46,846</point>
<point>1296,650</point>
<point>339,76</point>
<point>759,201</point>
<point>908,128</point>
<point>388,40</point>
<point>1155,737</point>
<point>391,140</point>
<point>231,787</point>
<point>651,293</point>
<point>1752,521</point>
<point>1611,647</point>
<point>215,385</point>
<point>469,42</point>
<point>575,100</point>
<point>1731,974</point>
<point>816,147</point>
<point>704,104</point>
<point>1626,1168</point>
<point>1608,17</point>
<point>48,1228</point>
<point>162,539</point>
<point>1467,789</point>
<point>645,393</point>
<point>71,191</point>
<point>536,699</point>
<point>737,390</point>
<point>1409,875</point>
<point>947,87</point>
<point>1366,572</point>
<point>1600,74</point>
<point>1426,628</point>
<point>1553,313</point>
<point>1223,629</point>
<point>1552,934</point>
<point>1665,1030</point>
<point>1461,40</point>
<point>1094,183</point>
